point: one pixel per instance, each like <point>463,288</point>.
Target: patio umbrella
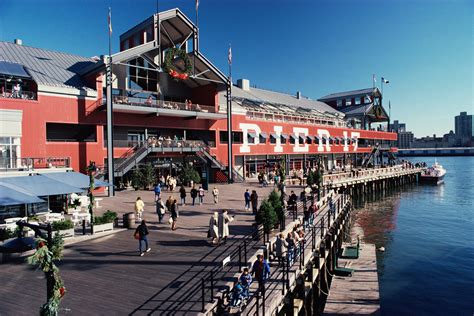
<point>11,195</point>
<point>21,244</point>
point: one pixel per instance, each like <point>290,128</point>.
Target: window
<point>339,103</point>
<point>357,101</point>
<point>59,132</point>
<point>140,78</point>
<point>348,102</point>
<point>9,151</point>
<point>237,137</point>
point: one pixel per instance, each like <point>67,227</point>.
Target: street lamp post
<point>91,169</point>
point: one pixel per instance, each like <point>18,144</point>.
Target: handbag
<point>136,235</point>
<point>170,221</point>
<point>209,233</point>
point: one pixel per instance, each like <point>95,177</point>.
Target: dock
<point>357,294</point>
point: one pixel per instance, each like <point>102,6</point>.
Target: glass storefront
<point>9,152</point>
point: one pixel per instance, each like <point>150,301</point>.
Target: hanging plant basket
<point>171,69</point>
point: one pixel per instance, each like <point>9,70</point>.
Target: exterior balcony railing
<point>24,95</point>
<point>294,119</point>
<point>34,163</point>
<point>171,105</point>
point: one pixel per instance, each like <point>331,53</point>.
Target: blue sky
<point>424,47</point>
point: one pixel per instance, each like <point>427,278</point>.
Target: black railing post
<point>203,299</point>
<point>212,287</point>
<point>288,273</point>
<point>263,300</point>
<point>258,301</point>
<point>329,217</point>
<point>284,282</point>
<point>313,238</point>
<point>240,258</point>
<point>322,227</point>
<point>245,252</point>
<point>83,226</point>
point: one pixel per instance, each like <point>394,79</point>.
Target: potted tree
<point>137,177</point>
<point>275,201</point>
<point>266,215</point>
<point>188,174</point>
<point>148,176</point>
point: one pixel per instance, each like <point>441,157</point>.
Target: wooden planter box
<point>103,227</point>
<point>65,232</point>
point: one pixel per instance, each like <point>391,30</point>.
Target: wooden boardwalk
<point>105,276</point>
<point>359,294</point>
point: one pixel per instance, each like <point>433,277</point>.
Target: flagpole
<point>229,117</point>
<point>110,145</point>
<point>195,44</point>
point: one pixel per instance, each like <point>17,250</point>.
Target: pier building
<point>172,105</point>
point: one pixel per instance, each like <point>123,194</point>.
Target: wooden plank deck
<point>359,294</point>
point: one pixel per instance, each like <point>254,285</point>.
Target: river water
<point>428,234</point>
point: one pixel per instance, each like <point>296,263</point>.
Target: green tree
<point>310,178</point>
<point>148,176</point>
<point>275,201</point>
<point>188,174</point>
<point>266,215</point>
<point>137,178</point>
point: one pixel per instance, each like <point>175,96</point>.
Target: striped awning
<point>263,135</point>
<point>252,134</point>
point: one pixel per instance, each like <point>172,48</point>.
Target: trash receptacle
<point>125,220</point>
<point>129,220</point>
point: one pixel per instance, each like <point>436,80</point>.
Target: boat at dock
<point>433,175</point>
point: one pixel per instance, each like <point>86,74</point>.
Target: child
<point>246,281</point>
<point>237,296</point>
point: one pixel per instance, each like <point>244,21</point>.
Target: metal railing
<point>171,105</point>
<point>29,163</point>
<point>296,261</point>
<point>24,95</point>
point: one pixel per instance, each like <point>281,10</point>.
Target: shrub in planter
<point>266,215</point>
<point>310,179</point>
<point>108,217</point>
<point>63,225</point>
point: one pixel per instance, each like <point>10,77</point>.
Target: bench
<point>351,252</point>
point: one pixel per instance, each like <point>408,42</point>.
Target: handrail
<point>150,102</point>
<point>25,95</point>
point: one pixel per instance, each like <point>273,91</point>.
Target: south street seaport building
<point>167,111</point>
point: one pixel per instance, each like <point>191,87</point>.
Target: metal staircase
<point>136,154</point>
<point>374,153</point>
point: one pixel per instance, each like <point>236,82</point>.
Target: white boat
<point>433,175</point>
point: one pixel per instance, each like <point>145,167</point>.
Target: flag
<point>373,79</point>
<point>229,57</point>
<point>197,4</point>
<point>384,80</point>
<point>109,20</point>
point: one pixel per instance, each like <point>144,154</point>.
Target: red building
<point>52,107</point>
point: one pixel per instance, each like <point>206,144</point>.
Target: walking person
<point>224,220</point>
<point>194,194</point>
<point>247,200</point>
<point>215,194</point>
<point>157,192</point>
<point>141,234</point>
<point>291,248</point>
<point>139,208</point>
<point>213,231</point>
<point>182,195</point>
<point>254,201</point>
<point>201,195</point>
<point>174,214</point>
<point>160,210</point>
<point>280,248</point>
<point>261,270</point>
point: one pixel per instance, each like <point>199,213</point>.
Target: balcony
<point>22,95</point>
<point>30,164</point>
<point>139,105</point>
